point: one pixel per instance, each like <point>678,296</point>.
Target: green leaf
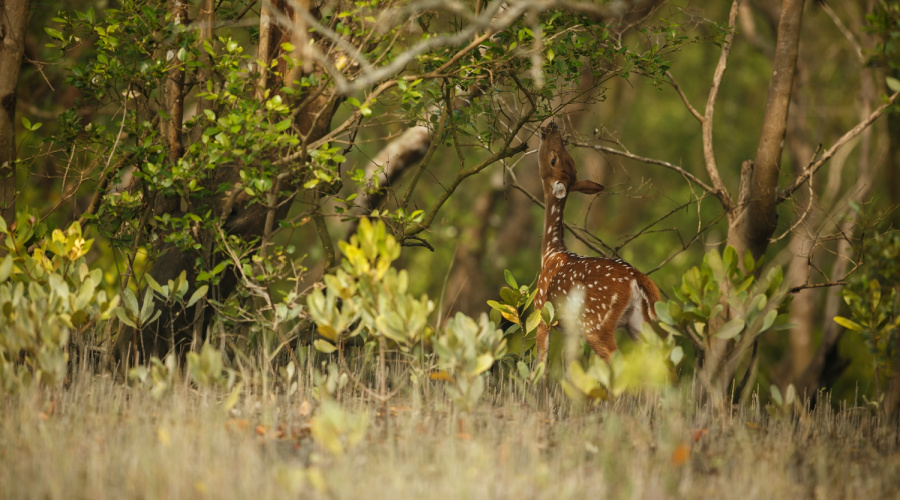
<point>893,83</point>
<point>6,267</point>
<point>510,279</point>
<point>768,320</point>
<point>509,296</point>
<point>548,313</point>
<point>323,345</point>
<point>124,318</point>
<point>147,307</point>
<point>197,295</point>
<point>283,125</point>
<point>483,363</point>
<point>731,329</point>
<point>848,324</point>
<point>54,33</point>
<point>533,320</point>
<point>155,286</point>
<point>662,312</point>
<point>130,302</point>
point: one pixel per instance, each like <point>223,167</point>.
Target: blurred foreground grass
<point>97,439</point>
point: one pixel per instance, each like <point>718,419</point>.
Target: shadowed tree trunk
<point>753,224</point>
<point>13,20</point>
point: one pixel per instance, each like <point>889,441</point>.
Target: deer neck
<point>554,235</point>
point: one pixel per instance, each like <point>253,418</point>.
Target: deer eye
<point>553,161</point>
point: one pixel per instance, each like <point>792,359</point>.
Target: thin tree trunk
<point>13,21</point>
<point>753,225</point>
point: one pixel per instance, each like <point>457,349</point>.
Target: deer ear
<point>587,187</point>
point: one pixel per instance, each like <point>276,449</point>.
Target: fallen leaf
<point>681,454</point>
<point>752,425</point>
<point>696,434</point>
<point>237,424</point>
<point>305,408</point>
<point>396,410</point>
<point>441,375</point>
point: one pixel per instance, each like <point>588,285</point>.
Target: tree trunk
<point>752,225</point>
<point>13,21</point>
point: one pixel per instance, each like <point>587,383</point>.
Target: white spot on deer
<point>559,190</point>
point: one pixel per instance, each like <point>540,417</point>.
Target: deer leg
<point>542,341</point>
<point>602,340</point>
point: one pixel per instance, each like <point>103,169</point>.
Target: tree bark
<point>13,21</point>
<point>753,224</point>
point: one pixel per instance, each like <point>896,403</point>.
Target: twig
<point>805,213</point>
<point>707,123</point>
<point>684,173</point>
<point>684,98</point>
<point>515,184</point>
<point>817,285</point>
<point>814,166</point>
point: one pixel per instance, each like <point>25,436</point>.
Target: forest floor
<point>97,439</point>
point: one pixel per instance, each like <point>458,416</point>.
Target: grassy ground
<point>98,439</point>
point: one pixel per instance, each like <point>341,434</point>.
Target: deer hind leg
<point>542,341</point>
<point>600,333</point>
<point>602,340</point>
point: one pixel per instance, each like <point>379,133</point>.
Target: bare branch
<point>817,285</point>
<point>844,139</point>
<point>684,98</point>
<point>506,152</point>
<point>809,203</point>
<point>707,123</point>
<point>684,173</point>
<point>572,229</point>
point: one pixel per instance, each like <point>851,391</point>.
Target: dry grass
<point>97,439</point>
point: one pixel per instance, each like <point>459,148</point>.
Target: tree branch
<point>684,98</point>
<point>506,152</point>
<point>813,167</point>
<point>684,173</point>
<point>707,123</point>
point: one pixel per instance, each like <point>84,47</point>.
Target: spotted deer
<point>615,293</point>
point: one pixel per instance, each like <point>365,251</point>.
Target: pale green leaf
<point>731,329</point>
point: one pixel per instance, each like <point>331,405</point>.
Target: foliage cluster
<point>874,304</point>
<point>47,294</point>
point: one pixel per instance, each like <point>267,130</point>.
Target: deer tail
<point>650,296</point>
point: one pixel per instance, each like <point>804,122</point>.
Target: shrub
<point>47,292</point>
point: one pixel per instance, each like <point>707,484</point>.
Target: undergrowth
<point>100,439</point>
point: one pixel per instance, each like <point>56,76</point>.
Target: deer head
<point>558,168</point>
